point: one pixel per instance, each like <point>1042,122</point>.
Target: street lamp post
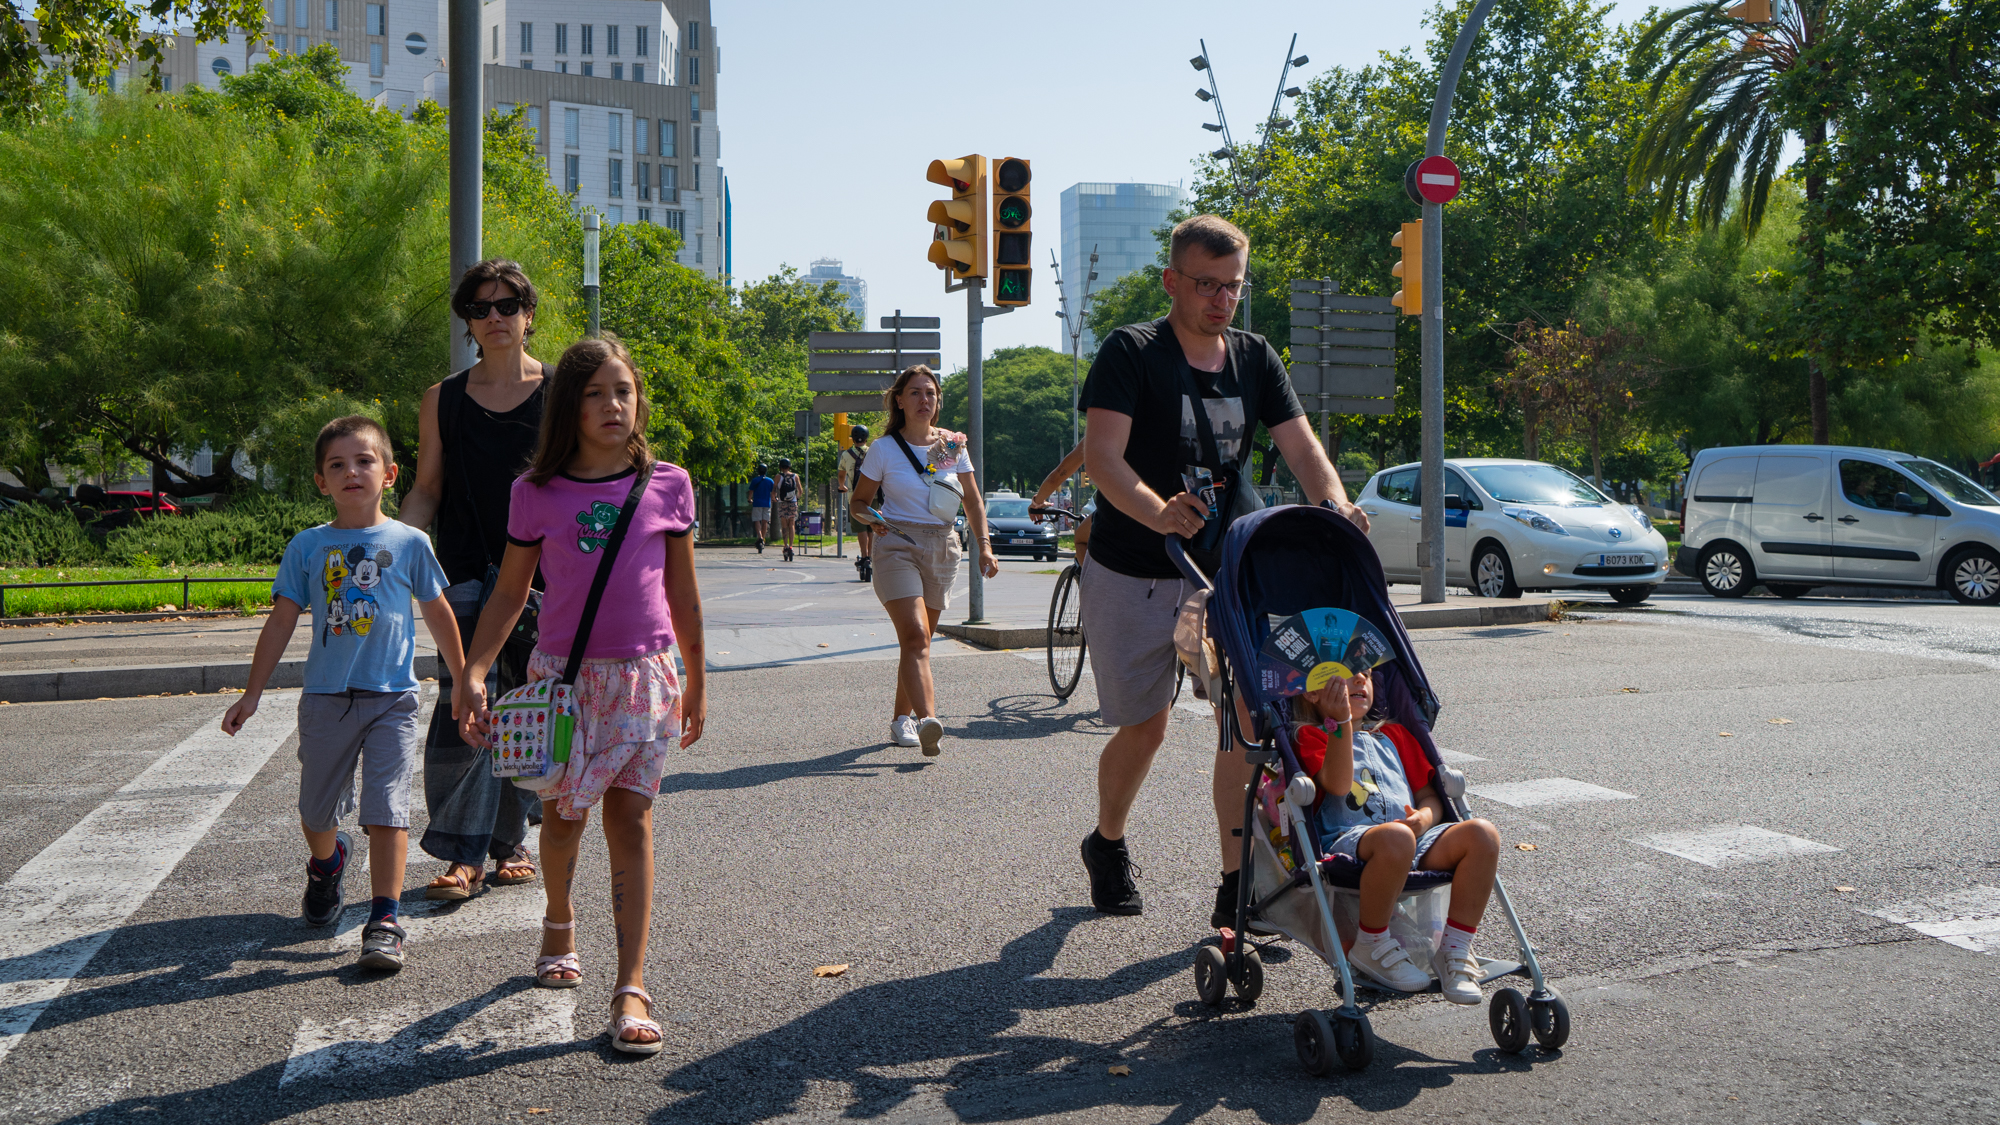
<point>1075,329</point>
<point>1245,178</point>
<point>590,223</point>
<point>465,159</point>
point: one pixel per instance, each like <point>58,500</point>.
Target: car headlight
<point>1535,519</point>
<point>1638,513</point>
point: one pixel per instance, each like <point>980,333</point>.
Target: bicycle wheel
<point>1066,633</point>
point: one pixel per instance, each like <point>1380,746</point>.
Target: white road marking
<point>363,1044</point>
<point>801,605</point>
<point>1726,845</point>
<point>1968,919</point>
<point>500,910</point>
<point>63,905</point>
<point>726,597</point>
<point>1548,791</point>
<point>1454,758</point>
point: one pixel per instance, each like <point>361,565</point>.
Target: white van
<point>1792,517</point>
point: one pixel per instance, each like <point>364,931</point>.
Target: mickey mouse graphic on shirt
<point>367,575</point>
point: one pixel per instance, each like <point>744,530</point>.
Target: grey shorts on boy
<point>380,729</point>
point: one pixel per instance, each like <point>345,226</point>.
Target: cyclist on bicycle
<point>1071,462</point>
<point>850,467</point>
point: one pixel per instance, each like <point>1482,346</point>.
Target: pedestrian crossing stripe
<point>1547,791</point>
<point>1726,845</point>
<point>1968,919</point>
<point>510,1018</point>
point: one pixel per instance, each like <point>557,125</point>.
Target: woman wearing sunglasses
<point>476,433</point>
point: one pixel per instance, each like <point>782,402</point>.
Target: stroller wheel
<point>1353,1040</point>
<point>1211,975</point>
<point>1312,1036</point>
<point>1550,1020</point>
<point>1508,1015</point>
<point>1250,977</point>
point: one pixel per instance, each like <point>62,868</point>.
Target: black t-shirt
<point>1137,373</point>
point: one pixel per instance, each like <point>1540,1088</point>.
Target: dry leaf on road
<point>1724,734</point>
<point>1845,890</point>
<point>1628,689</point>
<point>1121,1070</point>
<point>823,644</point>
<point>1524,847</point>
<point>1781,722</point>
<point>830,971</point>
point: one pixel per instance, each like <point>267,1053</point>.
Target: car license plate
<point>1021,542</point>
<point>1624,560</point>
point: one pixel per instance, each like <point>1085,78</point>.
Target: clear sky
<point>832,112</point>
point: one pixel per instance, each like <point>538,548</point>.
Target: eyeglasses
<point>505,306</point>
<point>1208,287</point>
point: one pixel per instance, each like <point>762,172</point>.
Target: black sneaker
<point>382,946</point>
<point>322,902</point>
<point>1111,873</point>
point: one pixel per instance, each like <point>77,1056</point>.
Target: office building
<point>854,289</point>
<point>620,93</point>
<point>1120,221</point>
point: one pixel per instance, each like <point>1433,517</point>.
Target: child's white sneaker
<point>1383,960</point>
<point>1458,976</point>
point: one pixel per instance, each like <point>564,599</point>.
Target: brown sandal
<point>453,887</point>
<point>516,868</point>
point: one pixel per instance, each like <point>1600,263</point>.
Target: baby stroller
<point>1277,562</point>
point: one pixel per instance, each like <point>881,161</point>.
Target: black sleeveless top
<point>483,452</point>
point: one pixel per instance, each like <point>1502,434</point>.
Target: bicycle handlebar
<point>1064,512</point>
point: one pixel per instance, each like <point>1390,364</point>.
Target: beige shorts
<point>926,568</point>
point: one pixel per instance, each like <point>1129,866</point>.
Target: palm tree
<point>1713,134</point>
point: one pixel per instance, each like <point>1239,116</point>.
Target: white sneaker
<point>929,733</point>
<point>903,731</point>
<point>1386,963</point>
<point>1458,977</point>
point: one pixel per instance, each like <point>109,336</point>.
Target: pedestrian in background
<point>760,505</point>
<point>850,469</point>
<point>565,511</point>
<point>790,491</point>
<point>475,433</point>
<point>918,468</point>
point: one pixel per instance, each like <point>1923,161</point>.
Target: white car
<point>1514,525</point>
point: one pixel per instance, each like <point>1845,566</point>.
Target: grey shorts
<point>377,729</point>
<point>1128,626</point>
<point>926,568</point>
<point>760,515</point>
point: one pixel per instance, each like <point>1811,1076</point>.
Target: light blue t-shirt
<point>358,582</point>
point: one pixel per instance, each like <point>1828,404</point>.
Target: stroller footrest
<point>1492,970</point>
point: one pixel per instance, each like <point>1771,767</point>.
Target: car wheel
<point>1973,577</point>
<point>1631,595</point>
<point>1726,572</point>
<point>1492,574</point>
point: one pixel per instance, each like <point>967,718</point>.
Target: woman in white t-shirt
<point>916,550</point>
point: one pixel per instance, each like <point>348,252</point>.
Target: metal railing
<point>183,583</point>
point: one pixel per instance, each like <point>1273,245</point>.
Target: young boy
<point>358,574</point>
<point>1378,805</point>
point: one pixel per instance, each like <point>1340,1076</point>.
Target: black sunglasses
<point>505,306</point>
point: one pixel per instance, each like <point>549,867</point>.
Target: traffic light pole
<point>466,159</point>
<point>976,312</point>
<point>1430,556</point>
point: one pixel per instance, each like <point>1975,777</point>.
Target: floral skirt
<point>631,722</point>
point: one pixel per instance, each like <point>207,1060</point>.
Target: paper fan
<point>1307,650</point>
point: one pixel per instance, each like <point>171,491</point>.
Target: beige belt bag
<point>1194,646</point>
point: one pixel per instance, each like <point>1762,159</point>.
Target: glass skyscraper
<point>1120,221</point>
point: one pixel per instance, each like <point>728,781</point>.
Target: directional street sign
<point>1343,349</point>
<point>1434,179</point>
<point>856,367</point>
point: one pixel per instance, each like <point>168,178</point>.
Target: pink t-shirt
<point>572,520</point>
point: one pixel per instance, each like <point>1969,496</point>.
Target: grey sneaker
<point>929,733</point>
<point>382,946</point>
<point>323,898</point>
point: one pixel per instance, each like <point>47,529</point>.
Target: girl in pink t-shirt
<point>633,705</point>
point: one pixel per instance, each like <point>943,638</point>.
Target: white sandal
<point>622,1024</point>
<point>547,967</point>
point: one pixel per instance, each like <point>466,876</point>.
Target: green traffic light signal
<point>1011,287</point>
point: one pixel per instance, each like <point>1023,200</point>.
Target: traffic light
<point>1013,270</point>
<point>1410,240</point>
<point>841,432</point>
<point>960,248</point>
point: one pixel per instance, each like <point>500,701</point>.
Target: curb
<point>997,635</point>
<point>1525,612</point>
<point>156,679</point>
<point>115,618</point>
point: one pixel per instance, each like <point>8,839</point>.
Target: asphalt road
<point>1753,920</point>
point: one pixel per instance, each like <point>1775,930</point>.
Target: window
<point>617,190</point>
<point>639,41</point>
<point>694,70</point>
<point>1951,483</point>
<point>562,39</point>
<point>697,249</point>
<point>694,35</point>
<point>673,219</point>
<point>589,69</point>
<point>278,44</point>
<point>640,127</point>
<point>638,73</point>
<point>589,37</point>
<point>618,72</point>
<point>496,40</point>
<point>615,213</point>
<point>535,119</point>
<point>570,165</point>
<point>694,136</point>
<point>615,124</point>
<point>374,89</point>
<point>611,39</point>
<point>166,83</point>
<point>527,38</point>
<point>668,130</point>
<point>562,68</point>
<point>1399,487</point>
<point>417,44</point>
<point>375,22</point>
<point>1454,485</point>
<point>1868,485</point>
<point>527,64</point>
<point>111,81</point>
<point>280,12</point>
<point>572,128</point>
<point>694,173</point>
<point>374,60</point>
<point>220,66</point>
<point>670,185</point>
<point>645,214</point>
<point>333,15</point>
<point>694,109</point>
<point>299,14</point>
<point>645,173</point>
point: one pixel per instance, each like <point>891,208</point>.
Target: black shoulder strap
<point>639,481</point>
<point>1209,454</point>
<point>910,453</point>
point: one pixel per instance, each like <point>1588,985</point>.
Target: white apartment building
<point>621,93</point>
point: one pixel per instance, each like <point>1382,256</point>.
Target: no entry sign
<point>1434,179</point>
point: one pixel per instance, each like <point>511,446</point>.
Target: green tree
<point>774,320</point>
<point>1715,130</point>
<point>86,40</point>
<point>1026,396</point>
